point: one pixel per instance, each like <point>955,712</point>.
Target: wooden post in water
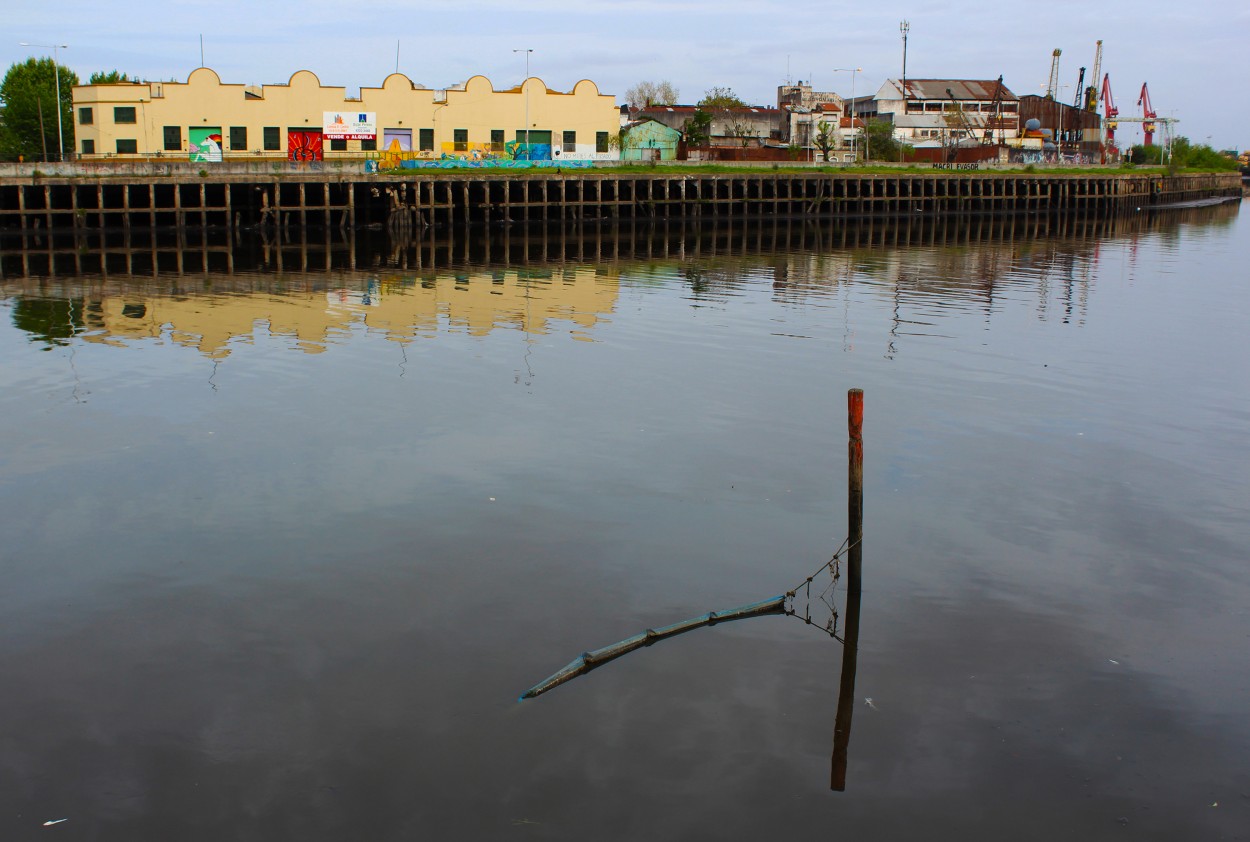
<point>850,636</point>
<point>855,486</point>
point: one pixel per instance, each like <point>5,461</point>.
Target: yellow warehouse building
<point>303,120</point>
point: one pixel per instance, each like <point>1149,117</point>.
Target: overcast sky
<point>1195,55</point>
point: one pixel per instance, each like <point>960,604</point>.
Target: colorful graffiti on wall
<point>205,144</point>
<point>303,146</point>
<point>513,155</point>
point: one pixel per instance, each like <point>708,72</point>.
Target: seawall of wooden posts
<point>416,201</point>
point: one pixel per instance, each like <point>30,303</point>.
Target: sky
<point>1196,58</point>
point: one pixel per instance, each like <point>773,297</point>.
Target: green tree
<point>28,89</point>
<point>1184,155</point>
<point>720,99</point>
<point>621,141</point>
<point>826,138</point>
<point>112,77</point>
<point>698,129</point>
<point>879,142</point>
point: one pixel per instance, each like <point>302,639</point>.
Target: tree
<point>112,77</point>
<point>621,141</point>
<point>720,99</point>
<point>743,131</point>
<point>651,93</point>
<point>879,141</point>
<point>1184,155</point>
<point>698,129</point>
<point>28,89</point>
<point>826,138</point>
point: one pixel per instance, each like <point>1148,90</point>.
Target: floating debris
<point>587,661</point>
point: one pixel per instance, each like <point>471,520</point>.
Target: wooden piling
<point>850,635</point>
<point>855,487</point>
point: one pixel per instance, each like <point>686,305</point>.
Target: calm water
<point>285,535</point>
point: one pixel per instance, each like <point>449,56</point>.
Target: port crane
<point>1052,87</point>
<point>995,117</point>
<point>1091,92</point>
<point>1148,115</point>
<point>1109,111</point>
<point>1079,100</point>
<point>962,119</point>
<point>1149,119</point>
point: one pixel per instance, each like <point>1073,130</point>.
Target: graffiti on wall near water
<point>510,155</point>
<point>303,146</point>
<point>205,144</point>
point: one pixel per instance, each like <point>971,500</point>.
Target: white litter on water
<point>54,821</point>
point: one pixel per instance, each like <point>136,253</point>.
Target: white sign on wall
<point>349,125</point>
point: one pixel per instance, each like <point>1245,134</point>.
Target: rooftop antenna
<point>396,55</point>
<point>201,49</point>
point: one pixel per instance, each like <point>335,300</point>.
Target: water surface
<point>287,528</point>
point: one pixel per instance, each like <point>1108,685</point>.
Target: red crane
<point>1148,115</point>
<point>1110,112</point>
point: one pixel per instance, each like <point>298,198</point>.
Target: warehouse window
<point>88,147</point>
<point>238,138</point>
<point>173,138</point>
<point>124,114</point>
<point>273,138</point>
<point>460,137</point>
<point>601,141</point>
<point>127,146</point>
<point>85,117</point>
<point>496,140</point>
<point>338,144</point>
<point>570,142</point>
<point>369,144</point>
<point>425,140</point>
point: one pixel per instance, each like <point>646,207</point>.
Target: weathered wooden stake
<point>855,486</point>
<point>850,635</point>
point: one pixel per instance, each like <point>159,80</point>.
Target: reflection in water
<point>301,607</point>
<point>208,295</point>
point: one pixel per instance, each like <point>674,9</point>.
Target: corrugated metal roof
<point>750,109</point>
<point>963,89</point>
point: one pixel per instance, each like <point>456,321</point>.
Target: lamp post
<point>525,90</point>
<point>56,65</point>
<point>904,27</point>
<point>852,71</point>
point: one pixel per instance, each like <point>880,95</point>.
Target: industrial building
<point>206,120</point>
<point>936,111</point>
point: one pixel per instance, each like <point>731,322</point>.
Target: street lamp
<point>852,71</point>
<point>525,89</point>
<point>56,65</point>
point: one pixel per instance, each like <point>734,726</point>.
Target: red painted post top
<point>855,413</point>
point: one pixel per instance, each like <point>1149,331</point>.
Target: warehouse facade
<point>205,120</point>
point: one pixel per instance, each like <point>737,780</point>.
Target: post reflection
<point>846,693</point>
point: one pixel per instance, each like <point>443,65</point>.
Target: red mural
<point>303,146</point>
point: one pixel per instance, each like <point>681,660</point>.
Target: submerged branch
<point>587,661</point>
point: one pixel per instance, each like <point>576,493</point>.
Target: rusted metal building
<point>1078,131</point>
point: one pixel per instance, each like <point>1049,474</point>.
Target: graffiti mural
<point>452,163</point>
<point>512,155</point>
<point>303,146</point>
<point>205,144</point>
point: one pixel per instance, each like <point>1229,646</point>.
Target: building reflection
<point>210,290</point>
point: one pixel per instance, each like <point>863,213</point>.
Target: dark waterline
<point>288,527</point>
